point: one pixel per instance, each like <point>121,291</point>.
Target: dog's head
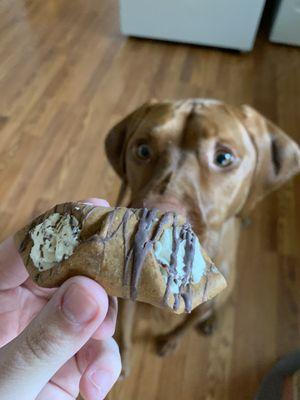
<point>203,158</point>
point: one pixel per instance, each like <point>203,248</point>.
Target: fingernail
<point>78,306</point>
<point>101,380</point>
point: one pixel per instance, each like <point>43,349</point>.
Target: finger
<point>102,370</point>
<point>96,202</point>
<point>12,270</point>
<point>45,293</point>
<point>18,307</point>
<point>52,391</point>
<point>65,324</point>
<point>64,385</point>
<point>108,327</point>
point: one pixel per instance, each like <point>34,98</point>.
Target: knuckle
<point>39,343</point>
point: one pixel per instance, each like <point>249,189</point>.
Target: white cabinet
<point>222,23</point>
<point>286,25</point>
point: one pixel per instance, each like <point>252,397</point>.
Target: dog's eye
<point>143,152</point>
<point>224,158</point>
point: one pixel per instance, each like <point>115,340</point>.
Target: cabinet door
<point>286,24</point>
<point>222,23</point>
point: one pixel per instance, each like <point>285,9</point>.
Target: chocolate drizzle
<point>173,265</point>
<point>144,240</point>
<point>185,288</point>
<point>146,235</point>
<point>127,252</point>
<point>185,291</point>
<point>141,247</point>
<point>141,242</point>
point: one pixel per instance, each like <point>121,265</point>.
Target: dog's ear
<point>277,156</point>
<point>117,138</point>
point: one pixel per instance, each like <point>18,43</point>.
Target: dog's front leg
<point>124,333</point>
<point>167,343</point>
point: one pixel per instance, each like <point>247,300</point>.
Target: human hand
<point>54,341</point>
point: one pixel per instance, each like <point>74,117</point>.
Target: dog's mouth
<point>165,206</point>
<point>172,204</point>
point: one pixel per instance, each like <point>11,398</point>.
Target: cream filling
<point>163,251</point>
<point>54,240</point>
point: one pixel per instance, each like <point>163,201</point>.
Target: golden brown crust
<point>104,260</point>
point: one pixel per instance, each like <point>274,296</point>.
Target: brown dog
<point>208,160</point>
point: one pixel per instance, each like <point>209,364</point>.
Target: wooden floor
<point>66,75</point>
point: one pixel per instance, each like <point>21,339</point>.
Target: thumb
<point>64,325</point>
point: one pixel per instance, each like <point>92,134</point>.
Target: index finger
<point>12,270</point>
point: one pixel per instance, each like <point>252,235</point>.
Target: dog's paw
<point>207,327</point>
<point>166,345</point>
